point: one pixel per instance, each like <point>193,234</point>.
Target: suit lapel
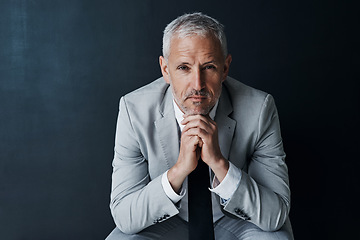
<point>226,125</point>
<point>167,130</point>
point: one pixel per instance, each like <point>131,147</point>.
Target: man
<point>196,114</point>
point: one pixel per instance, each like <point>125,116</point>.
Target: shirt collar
<point>179,114</point>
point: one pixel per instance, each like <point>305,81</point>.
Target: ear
<point>226,66</point>
<point>164,69</point>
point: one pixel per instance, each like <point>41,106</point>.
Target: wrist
<point>220,168</point>
<point>176,178</point>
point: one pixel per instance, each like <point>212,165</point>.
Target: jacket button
<point>241,214</point>
<point>238,211</point>
<point>159,219</point>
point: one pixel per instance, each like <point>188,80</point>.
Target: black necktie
<point>200,208</point>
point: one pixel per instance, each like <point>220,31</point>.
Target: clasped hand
<point>199,138</point>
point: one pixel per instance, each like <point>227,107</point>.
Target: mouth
<point>197,98</point>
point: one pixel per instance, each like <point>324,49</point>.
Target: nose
<point>198,82</point>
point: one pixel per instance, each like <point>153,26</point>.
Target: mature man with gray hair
<point>198,155</point>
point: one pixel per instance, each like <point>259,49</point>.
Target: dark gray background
<point>65,64</point>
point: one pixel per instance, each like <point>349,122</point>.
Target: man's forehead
<point>193,37</point>
<point>186,47</point>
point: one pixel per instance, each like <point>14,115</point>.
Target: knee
<point>116,234</point>
<point>257,233</point>
<point>251,231</point>
<point>113,234</point>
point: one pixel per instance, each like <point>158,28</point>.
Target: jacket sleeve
<point>136,200</point>
<point>263,195</point>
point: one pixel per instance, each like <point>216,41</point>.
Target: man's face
<point>195,70</point>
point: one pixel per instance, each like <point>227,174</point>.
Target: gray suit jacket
<point>147,144</point>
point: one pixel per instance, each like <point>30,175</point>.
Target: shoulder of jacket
<point>159,86</point>
<point>237,89</point>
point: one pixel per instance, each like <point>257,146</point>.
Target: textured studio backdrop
<point>65,64</point>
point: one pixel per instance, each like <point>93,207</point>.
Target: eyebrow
<point>186,63</point>
<point>212,61</point>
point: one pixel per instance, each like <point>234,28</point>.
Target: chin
<point>197,110</point>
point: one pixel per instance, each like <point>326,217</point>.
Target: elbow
<point>123,221</point>
<point>119,221</point>
<point>272,228</point>
<point>276,221</point>
<point>123,224</point>
<point>127,226</point>
<point>126,229</point>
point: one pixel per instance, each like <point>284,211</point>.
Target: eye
<point>183,67</point>
<point>210,67</point>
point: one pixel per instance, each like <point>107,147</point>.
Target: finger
<point>205,119</point>
<point>188,118</point>
<point>202,134</point>
<point>193,132</point>
<point>191,140</point>
<point>196,142</point>
<point>198,124</point>
<point>199,121</point>
<point>201,143</point>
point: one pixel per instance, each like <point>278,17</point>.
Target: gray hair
<point>194,24</point>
